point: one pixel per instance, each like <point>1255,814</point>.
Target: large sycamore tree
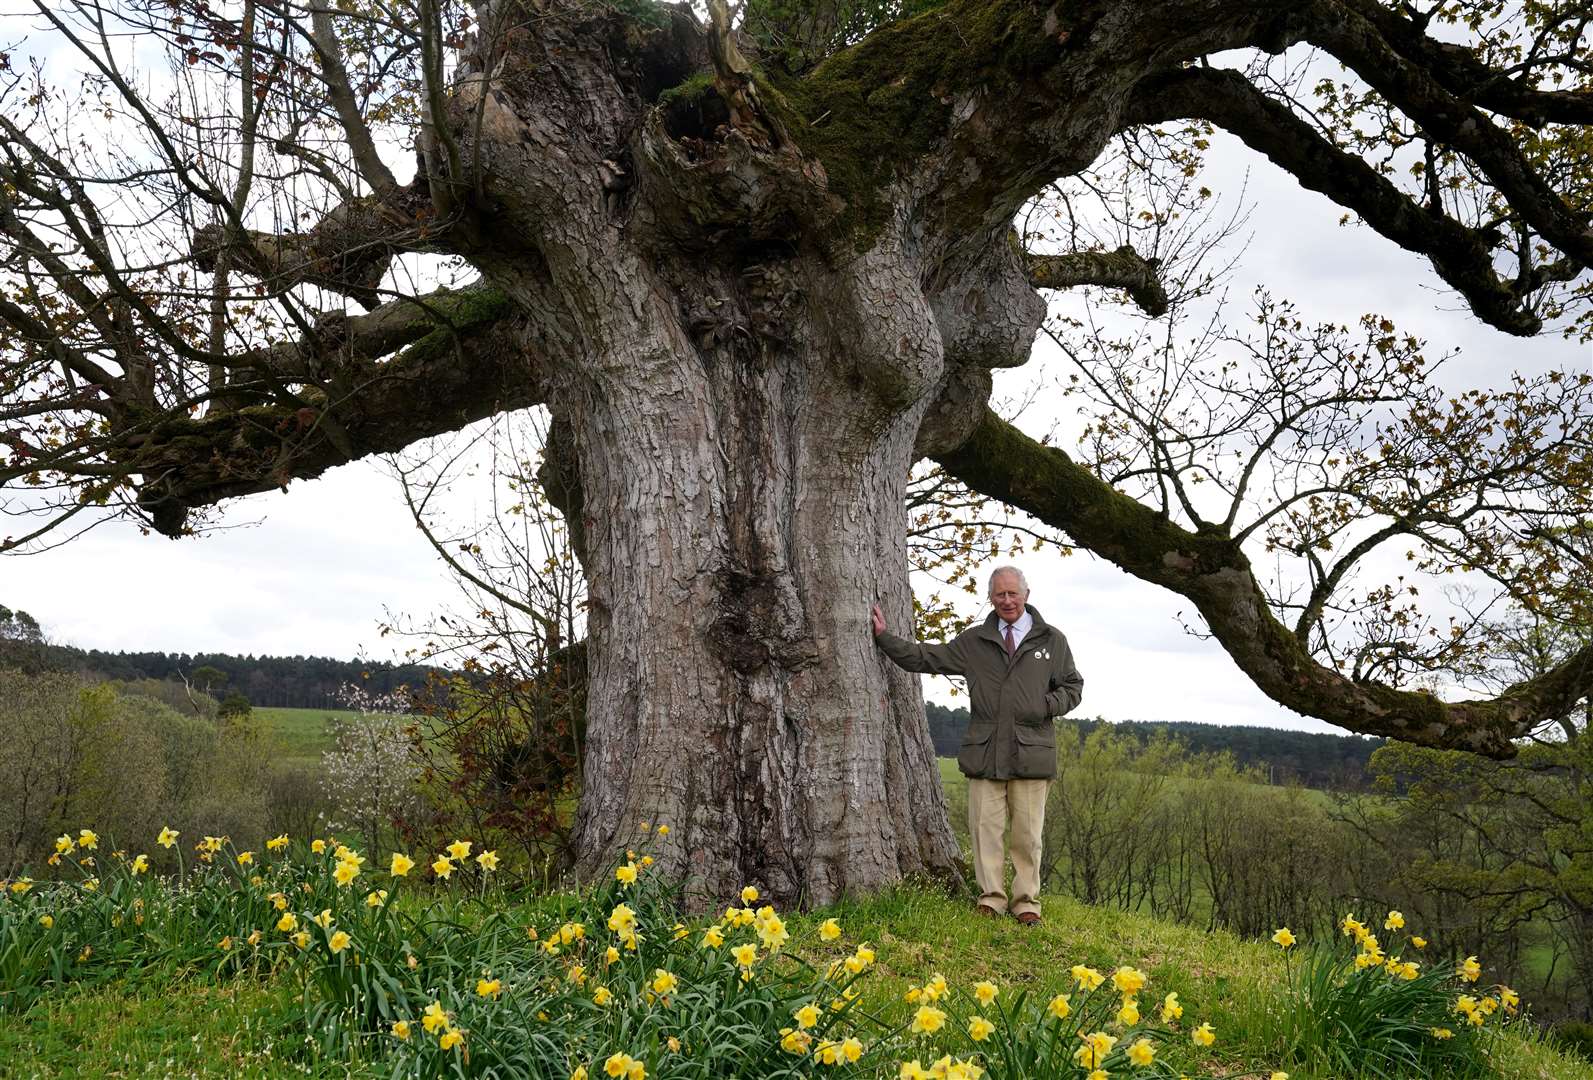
<point>756,264</point>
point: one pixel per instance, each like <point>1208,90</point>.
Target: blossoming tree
<point>755,266</point>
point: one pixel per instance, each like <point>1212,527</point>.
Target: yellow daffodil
<point>1087,977</point>
<point>376,898</point>
<point>450,1039</point>
<point>64,844</point>
<point>1204,1035</point>
<point>489,987</point>
<point>345,873</point>
<point>21,885</point>
<point>610,956</point>
<point>88,839</point>
<point>401,865</point>
<point>806,1016</point>
<point>288,923</point>
<point>746,955</point>
<point>318,846</point>
<point>712,938</point>
<point>829,930</point>
<point>579,1073</point>
<point>487,860</point>
<point>1441,1033</point>
<point>749,894</point>
<point>1419,942</point>
<point>1394,921</point>
<point>459,850</point>
<point>1283,938</point>
<point>851,1049</point>
<point>927,1020</point>
<point>772,932</point>
<point>979,1028</point>
<point>1171,1009</point>
<point>401,1029</point>
<point>625,874</point>
<point>225,943</point>
<point>602,995</point>
<point>1509,999</point>
<point>1059,1007</point>
<point>1128,1015</point>
<point>1097,1045</point>
<point>985,992</point>
<point>139,865</point>
<point>47,921</point>
<point>434,1017</point>
<point>664,982</point>
<point>168,837</point>
<point>621,919</point>
<point>663,830</point>
<point>1129,980</point>
<point>1141,1052</point>
<point>339,942</point>
<point>301,939</point>
<point>1471,970</point>
<point>619,1065</point>
<point>795,1041</point>
<point>277,843</point>
<point>442,867</point>
<point>245,858</point>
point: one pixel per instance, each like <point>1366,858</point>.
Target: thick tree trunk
<point>743,481</point>
<point>742,507</point>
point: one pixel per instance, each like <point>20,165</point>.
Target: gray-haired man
<point>1020,674</point>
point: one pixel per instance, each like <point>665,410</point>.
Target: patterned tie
<point>1010,646</point>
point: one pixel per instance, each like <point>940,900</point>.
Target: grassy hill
<point>174,1020</point>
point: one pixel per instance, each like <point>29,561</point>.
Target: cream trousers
<point>992,804</point>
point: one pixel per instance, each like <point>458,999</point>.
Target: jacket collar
<point>992,632</point>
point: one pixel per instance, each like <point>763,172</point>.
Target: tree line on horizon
<point>1282,756</point>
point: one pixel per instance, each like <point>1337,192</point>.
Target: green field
<point>299,735</point>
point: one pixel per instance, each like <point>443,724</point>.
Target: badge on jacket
<point>1041,654</point>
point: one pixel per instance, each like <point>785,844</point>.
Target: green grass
<point>174,1023</point>
<point>161,1027</point>
<point>299,735</point>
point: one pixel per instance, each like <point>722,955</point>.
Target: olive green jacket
<point>1010,735</point>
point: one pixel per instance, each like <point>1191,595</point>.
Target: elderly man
<point>1020,674</point>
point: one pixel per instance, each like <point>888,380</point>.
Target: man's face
<point>1008,597</point>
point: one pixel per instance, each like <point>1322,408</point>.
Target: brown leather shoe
<point>987,911</point>
<point>1029,918</point>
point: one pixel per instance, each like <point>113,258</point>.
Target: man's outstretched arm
<point>944,659</point>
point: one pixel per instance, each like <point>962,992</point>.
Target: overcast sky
<point>313,571</point>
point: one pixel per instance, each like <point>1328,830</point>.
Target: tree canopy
<point>210,285</point>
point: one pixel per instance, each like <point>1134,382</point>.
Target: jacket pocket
<point>973,757</point>
<point>1036,752</point>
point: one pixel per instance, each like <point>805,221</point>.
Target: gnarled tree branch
<point>1208,568</point>
<point>1226,98</point>
<point>465,359</point>
<point>1121,269</point>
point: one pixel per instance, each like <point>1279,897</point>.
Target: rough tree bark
<point>752,295</point>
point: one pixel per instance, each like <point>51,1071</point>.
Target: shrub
<point>1364,1012</point>
<point>1574,1036</point>
<point>371,775</point>
<point>296,801</point>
